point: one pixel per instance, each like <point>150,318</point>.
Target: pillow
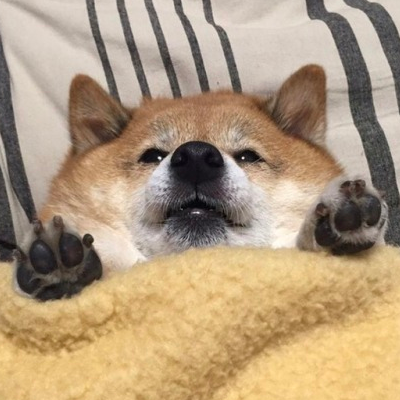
<point>156,48</point>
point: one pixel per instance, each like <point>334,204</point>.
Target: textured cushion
<point>214,324</point>
<point>182,47</point>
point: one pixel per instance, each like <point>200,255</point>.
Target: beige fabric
<point>217,324</point>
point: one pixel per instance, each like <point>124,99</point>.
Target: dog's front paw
<point>54,262</point>
<point>350,217</point>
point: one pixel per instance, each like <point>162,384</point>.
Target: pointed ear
<point>94,116</point>
<point>299,107</point>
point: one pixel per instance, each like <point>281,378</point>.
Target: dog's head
<point>217,168</point>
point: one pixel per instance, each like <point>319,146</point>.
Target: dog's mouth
<point>202,210</point>
<point>198,222</point>
<point>198,209</point>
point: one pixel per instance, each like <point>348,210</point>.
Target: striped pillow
<point>181,47</point>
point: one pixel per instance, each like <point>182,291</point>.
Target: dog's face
<point>217,168</point>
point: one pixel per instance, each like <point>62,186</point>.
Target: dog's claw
<point>359,187</point>
<point>322,210</point>
<point>349,188</point>
<point>58,222</point>
<point>37,227</point>
<point>88,240</point>
<point>18,255</point>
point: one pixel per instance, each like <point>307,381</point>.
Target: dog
<point>219,168</point>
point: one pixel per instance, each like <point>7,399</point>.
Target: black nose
<point>197,162</point>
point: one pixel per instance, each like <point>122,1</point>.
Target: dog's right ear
<point>299,106</point>
<point>94,116</point>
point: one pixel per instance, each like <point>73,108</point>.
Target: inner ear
<point>299,106</point>
<point>94,116</point>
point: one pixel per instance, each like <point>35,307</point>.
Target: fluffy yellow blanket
<point>212,324</point>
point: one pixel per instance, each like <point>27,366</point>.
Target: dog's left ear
<point>94,116</point>
<point>299,107</point>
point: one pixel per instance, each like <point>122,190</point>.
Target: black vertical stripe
<point>163,48</point>
<point>133,50</point>
<point>226,47</point>
<point>7,234</point>
<point>8,130</point>
<point>194,46</point>
<point>375,145</point>
<point>101,48</point>
<point>387,33</point>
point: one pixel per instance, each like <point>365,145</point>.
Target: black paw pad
<point>27,280</point>
<point>348,217</point>
<point>371,209</point>
<point>42,257</point>
<point>324,234</point>
<point>92,269</point>
<point>351,248</point>
<point>71,250</point>
<point>53,292</point>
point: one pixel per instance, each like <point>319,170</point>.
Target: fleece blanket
<point>212,324</point>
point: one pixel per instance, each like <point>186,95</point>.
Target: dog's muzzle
<point>197,214</point>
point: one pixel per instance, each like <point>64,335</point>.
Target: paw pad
<point>42,257</point>
<point>71,250</point>
<point>348,217</point>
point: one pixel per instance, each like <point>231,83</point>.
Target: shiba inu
<point>219,168</point>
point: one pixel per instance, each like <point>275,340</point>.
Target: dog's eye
<point>247,156</point>
<point>153,156</point>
